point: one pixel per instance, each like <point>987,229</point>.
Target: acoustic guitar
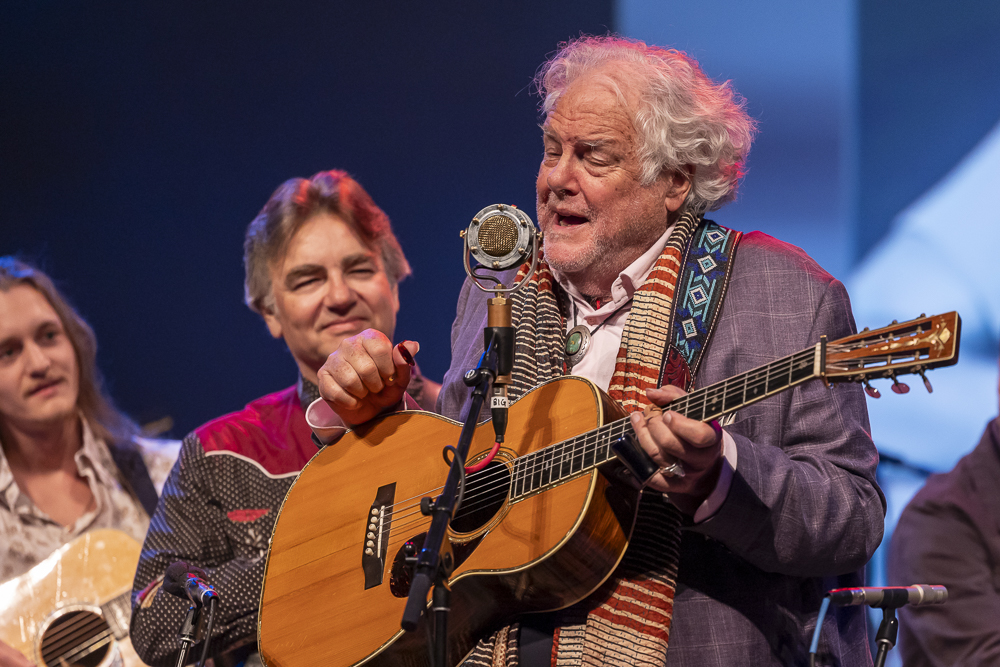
<point>539,528</point>
<point>73,608</point>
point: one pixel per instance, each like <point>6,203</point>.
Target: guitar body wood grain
<point>77,579</point>
<point>543,552</point>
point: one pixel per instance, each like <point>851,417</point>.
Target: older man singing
<point>746,524</point>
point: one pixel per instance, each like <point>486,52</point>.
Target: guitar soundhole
<point>76,638</point>
<point>486,492</point>
<point>401,574</point>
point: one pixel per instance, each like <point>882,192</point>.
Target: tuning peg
<point>927,383</point>
<point>871,391</point>
<point>898,387</point>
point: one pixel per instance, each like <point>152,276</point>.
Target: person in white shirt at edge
<point>61,435</point>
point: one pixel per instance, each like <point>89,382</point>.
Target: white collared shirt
<point>28,535</point>
<point>598,364</point>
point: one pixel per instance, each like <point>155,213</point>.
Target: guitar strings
<point>487,486</point>
<point>78,635</point>
<point>81,651</point>
<point>752,381</point>
<point>749,380</point>
<point>485,481</point>
<point>556,462</point>
<point>537,460</point>
<point>72,630</point>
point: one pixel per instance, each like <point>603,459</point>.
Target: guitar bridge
<point>376,541</point>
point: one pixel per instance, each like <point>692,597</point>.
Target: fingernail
<point>406,354</point>
<point>635,417</point>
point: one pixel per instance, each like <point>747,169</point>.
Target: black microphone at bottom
<point>889,596</point>
<point>188,582</point>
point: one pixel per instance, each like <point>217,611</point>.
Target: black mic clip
<point>474,376</point>
<point>188,582</point>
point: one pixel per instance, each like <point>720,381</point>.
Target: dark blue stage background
<point>139,139</point>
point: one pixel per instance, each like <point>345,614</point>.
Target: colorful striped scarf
<point>626,620</point>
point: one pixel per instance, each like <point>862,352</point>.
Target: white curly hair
<point>687,123</point>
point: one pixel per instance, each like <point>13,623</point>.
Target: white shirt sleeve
<point>711,505</point>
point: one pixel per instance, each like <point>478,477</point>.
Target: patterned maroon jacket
<point>217,511</point>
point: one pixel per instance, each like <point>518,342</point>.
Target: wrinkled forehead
<point>325,239</point>
<point>594,111</point>
<point>616,82</point>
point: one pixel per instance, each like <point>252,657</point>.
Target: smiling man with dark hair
<point>322,264</point>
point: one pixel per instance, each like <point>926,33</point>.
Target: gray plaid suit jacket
<point>804,513</point>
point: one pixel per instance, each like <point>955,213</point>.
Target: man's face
<point>596,216</point>
<point>327,287</point>
<point>39,374</point>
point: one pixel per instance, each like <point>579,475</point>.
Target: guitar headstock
<point>915,346</point>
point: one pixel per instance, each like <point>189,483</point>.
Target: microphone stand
<point>886,635</point>
<point>187,633</point>
<point>435,562</point>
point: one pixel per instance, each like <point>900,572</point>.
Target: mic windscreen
<point>175,579</point>
<point>498,235</point>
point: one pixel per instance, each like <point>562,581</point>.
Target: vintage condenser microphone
<point>500,237</point>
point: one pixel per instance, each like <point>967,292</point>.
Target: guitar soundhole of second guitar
<point>486,492</point>
<point>76,638</point>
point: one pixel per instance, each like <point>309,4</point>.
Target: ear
<point>678,187</point>
<point>395,298</point>
<point>273,323</point>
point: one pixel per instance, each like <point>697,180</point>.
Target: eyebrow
<point>591,143</point>
<point>357,258</point>
<point>301,271</point>
<point>46,325</point>
<point>347,262</point>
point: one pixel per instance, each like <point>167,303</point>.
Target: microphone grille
<point>498,235</point>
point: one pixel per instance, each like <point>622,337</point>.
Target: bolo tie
<point>579,337</point>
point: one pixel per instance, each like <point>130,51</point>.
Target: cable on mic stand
<point>819,626</point>
<point>212,603</point>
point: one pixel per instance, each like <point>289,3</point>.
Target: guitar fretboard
<point>571,458</point>
<point>117,612</point>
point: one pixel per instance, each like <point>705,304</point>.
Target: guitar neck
<point>564,460</point>
<point>118,611</point>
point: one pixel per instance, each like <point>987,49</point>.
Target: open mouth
<point>571,220</point>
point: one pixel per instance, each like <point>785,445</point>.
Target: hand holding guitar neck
<point>366,376</point>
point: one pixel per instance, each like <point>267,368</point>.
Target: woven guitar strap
<point>626,620</point>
